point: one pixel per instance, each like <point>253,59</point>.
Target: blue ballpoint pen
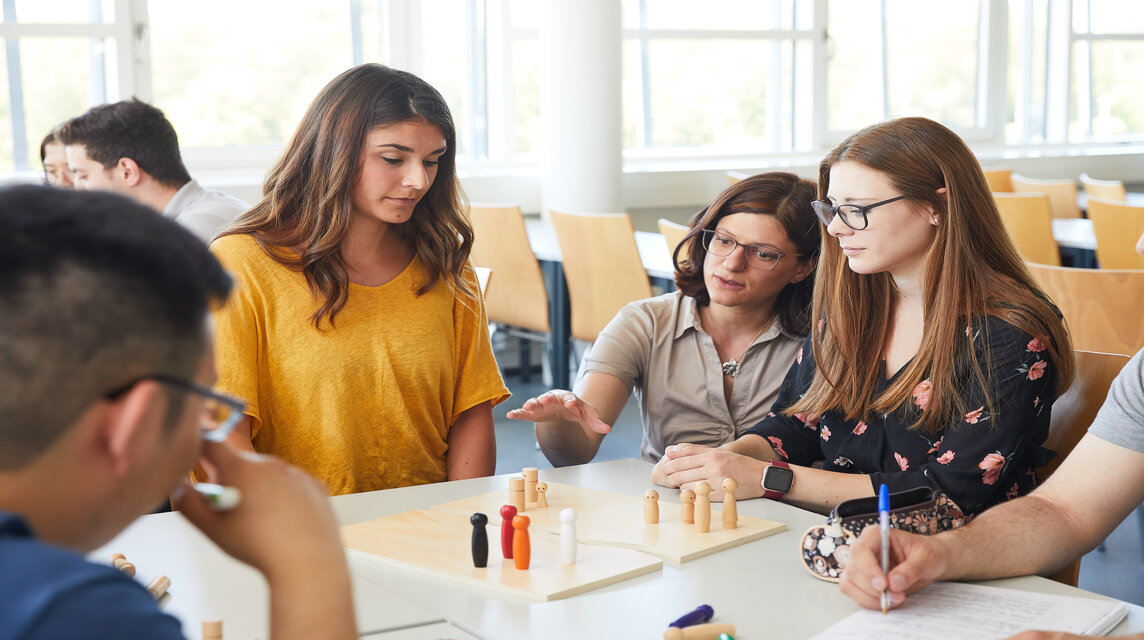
<point>884,525</point>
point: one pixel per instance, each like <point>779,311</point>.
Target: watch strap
<point>768,493</point>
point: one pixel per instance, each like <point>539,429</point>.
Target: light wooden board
<point>612,519</point>
<point>439,542</point>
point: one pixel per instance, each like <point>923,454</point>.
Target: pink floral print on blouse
<point>986,455</point>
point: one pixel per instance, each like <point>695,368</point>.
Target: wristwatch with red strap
<point>777,480</point>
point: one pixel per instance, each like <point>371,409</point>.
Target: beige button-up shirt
<point>657,348</point>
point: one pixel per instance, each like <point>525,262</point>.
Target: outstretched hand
<point>559,404</point>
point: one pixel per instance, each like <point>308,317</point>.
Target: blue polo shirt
<point>47,592</point>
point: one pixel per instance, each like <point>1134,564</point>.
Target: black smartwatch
<point>777,480</point>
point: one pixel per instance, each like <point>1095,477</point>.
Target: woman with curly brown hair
<point>705,361</point>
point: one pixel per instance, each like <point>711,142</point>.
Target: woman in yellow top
<point>356,332</point>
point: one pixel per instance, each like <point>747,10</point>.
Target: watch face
<point>777,479</point>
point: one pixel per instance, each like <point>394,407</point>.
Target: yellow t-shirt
<point>368,404</point>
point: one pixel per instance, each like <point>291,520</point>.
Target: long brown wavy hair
<point>785,196</point>
<point>306,209</point>
<point>971,270</point>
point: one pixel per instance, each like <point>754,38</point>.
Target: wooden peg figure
<point>159,586</point>
<point>687,512</point>
<point>651,506</point>
<point>541,495</point>
<point>730,513</point>
<point>516,493</point>
<point>702,507</point>
<point>568,536</point>
<point>480,540</point>
<point>521,549</point>
<point>212,629</point>
<point>530,475</point>
<point>119,561</point>
<point>507,513</point>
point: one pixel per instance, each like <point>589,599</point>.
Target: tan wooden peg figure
<point>516,493</point>
<point>651,506</point>
<point>542,495</point>
<point>702,507</point>
<point>730,513</point>
<point>687,511</point>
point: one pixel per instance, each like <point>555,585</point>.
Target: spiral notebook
<point>957,610</point>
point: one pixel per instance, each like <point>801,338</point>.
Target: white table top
<point>652,247</point>
<point>1074,233</point>
<point>761,587</point>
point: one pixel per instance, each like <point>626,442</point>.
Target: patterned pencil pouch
<point>826,548</point>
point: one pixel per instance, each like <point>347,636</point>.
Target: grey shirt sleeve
<point>1121,418</point>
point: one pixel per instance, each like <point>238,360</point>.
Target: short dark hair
<point>48,139</point>
<point>783,195</point>
<point>95,291</point>
<point>129,129</point>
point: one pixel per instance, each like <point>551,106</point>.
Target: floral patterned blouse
<point>982,460</point>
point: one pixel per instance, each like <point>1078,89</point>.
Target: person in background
<point>358,333</point>
<point>934,359</point>
<point>706,361</point>
<point>105,400</point>
<point>1093,490</point>
<point>130,147</point>
<point>55,162</point>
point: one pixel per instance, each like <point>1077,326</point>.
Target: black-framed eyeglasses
<point>220,412</point>
<point>757,255</point>
<point>853,215</point>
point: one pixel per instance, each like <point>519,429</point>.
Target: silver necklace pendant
<point>731,368</point>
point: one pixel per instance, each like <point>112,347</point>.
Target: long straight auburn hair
<point>971,270</point>
<point>306,209</point>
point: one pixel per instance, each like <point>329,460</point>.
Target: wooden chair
<point>1101,306</point>
<point>1029,221</point>
<point>1062,193</point>
<point>673,233</point>
<point>519,299</point>
<point>1117,227</point>
<point>1073,412</point>
<point>1106,189</point>
<point>602,266</point>
<point>998,180</point>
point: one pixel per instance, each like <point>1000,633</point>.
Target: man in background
<point>131,148</point>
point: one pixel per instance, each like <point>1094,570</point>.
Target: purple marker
<point>702,613</point>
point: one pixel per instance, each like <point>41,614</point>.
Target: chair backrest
<point>1073,412</point>
<point>1107,189</point>
<point>500,243</point>
<point>1117,227</point>
<point>1029,221</point>
<point>736,176</point>
<point>602,266</point>
<point>1062,193</point>
<point>673,233</point>
<point>998,180</point>
<point>1101,306</point>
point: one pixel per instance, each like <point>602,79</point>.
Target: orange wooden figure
<point>521,549</point>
